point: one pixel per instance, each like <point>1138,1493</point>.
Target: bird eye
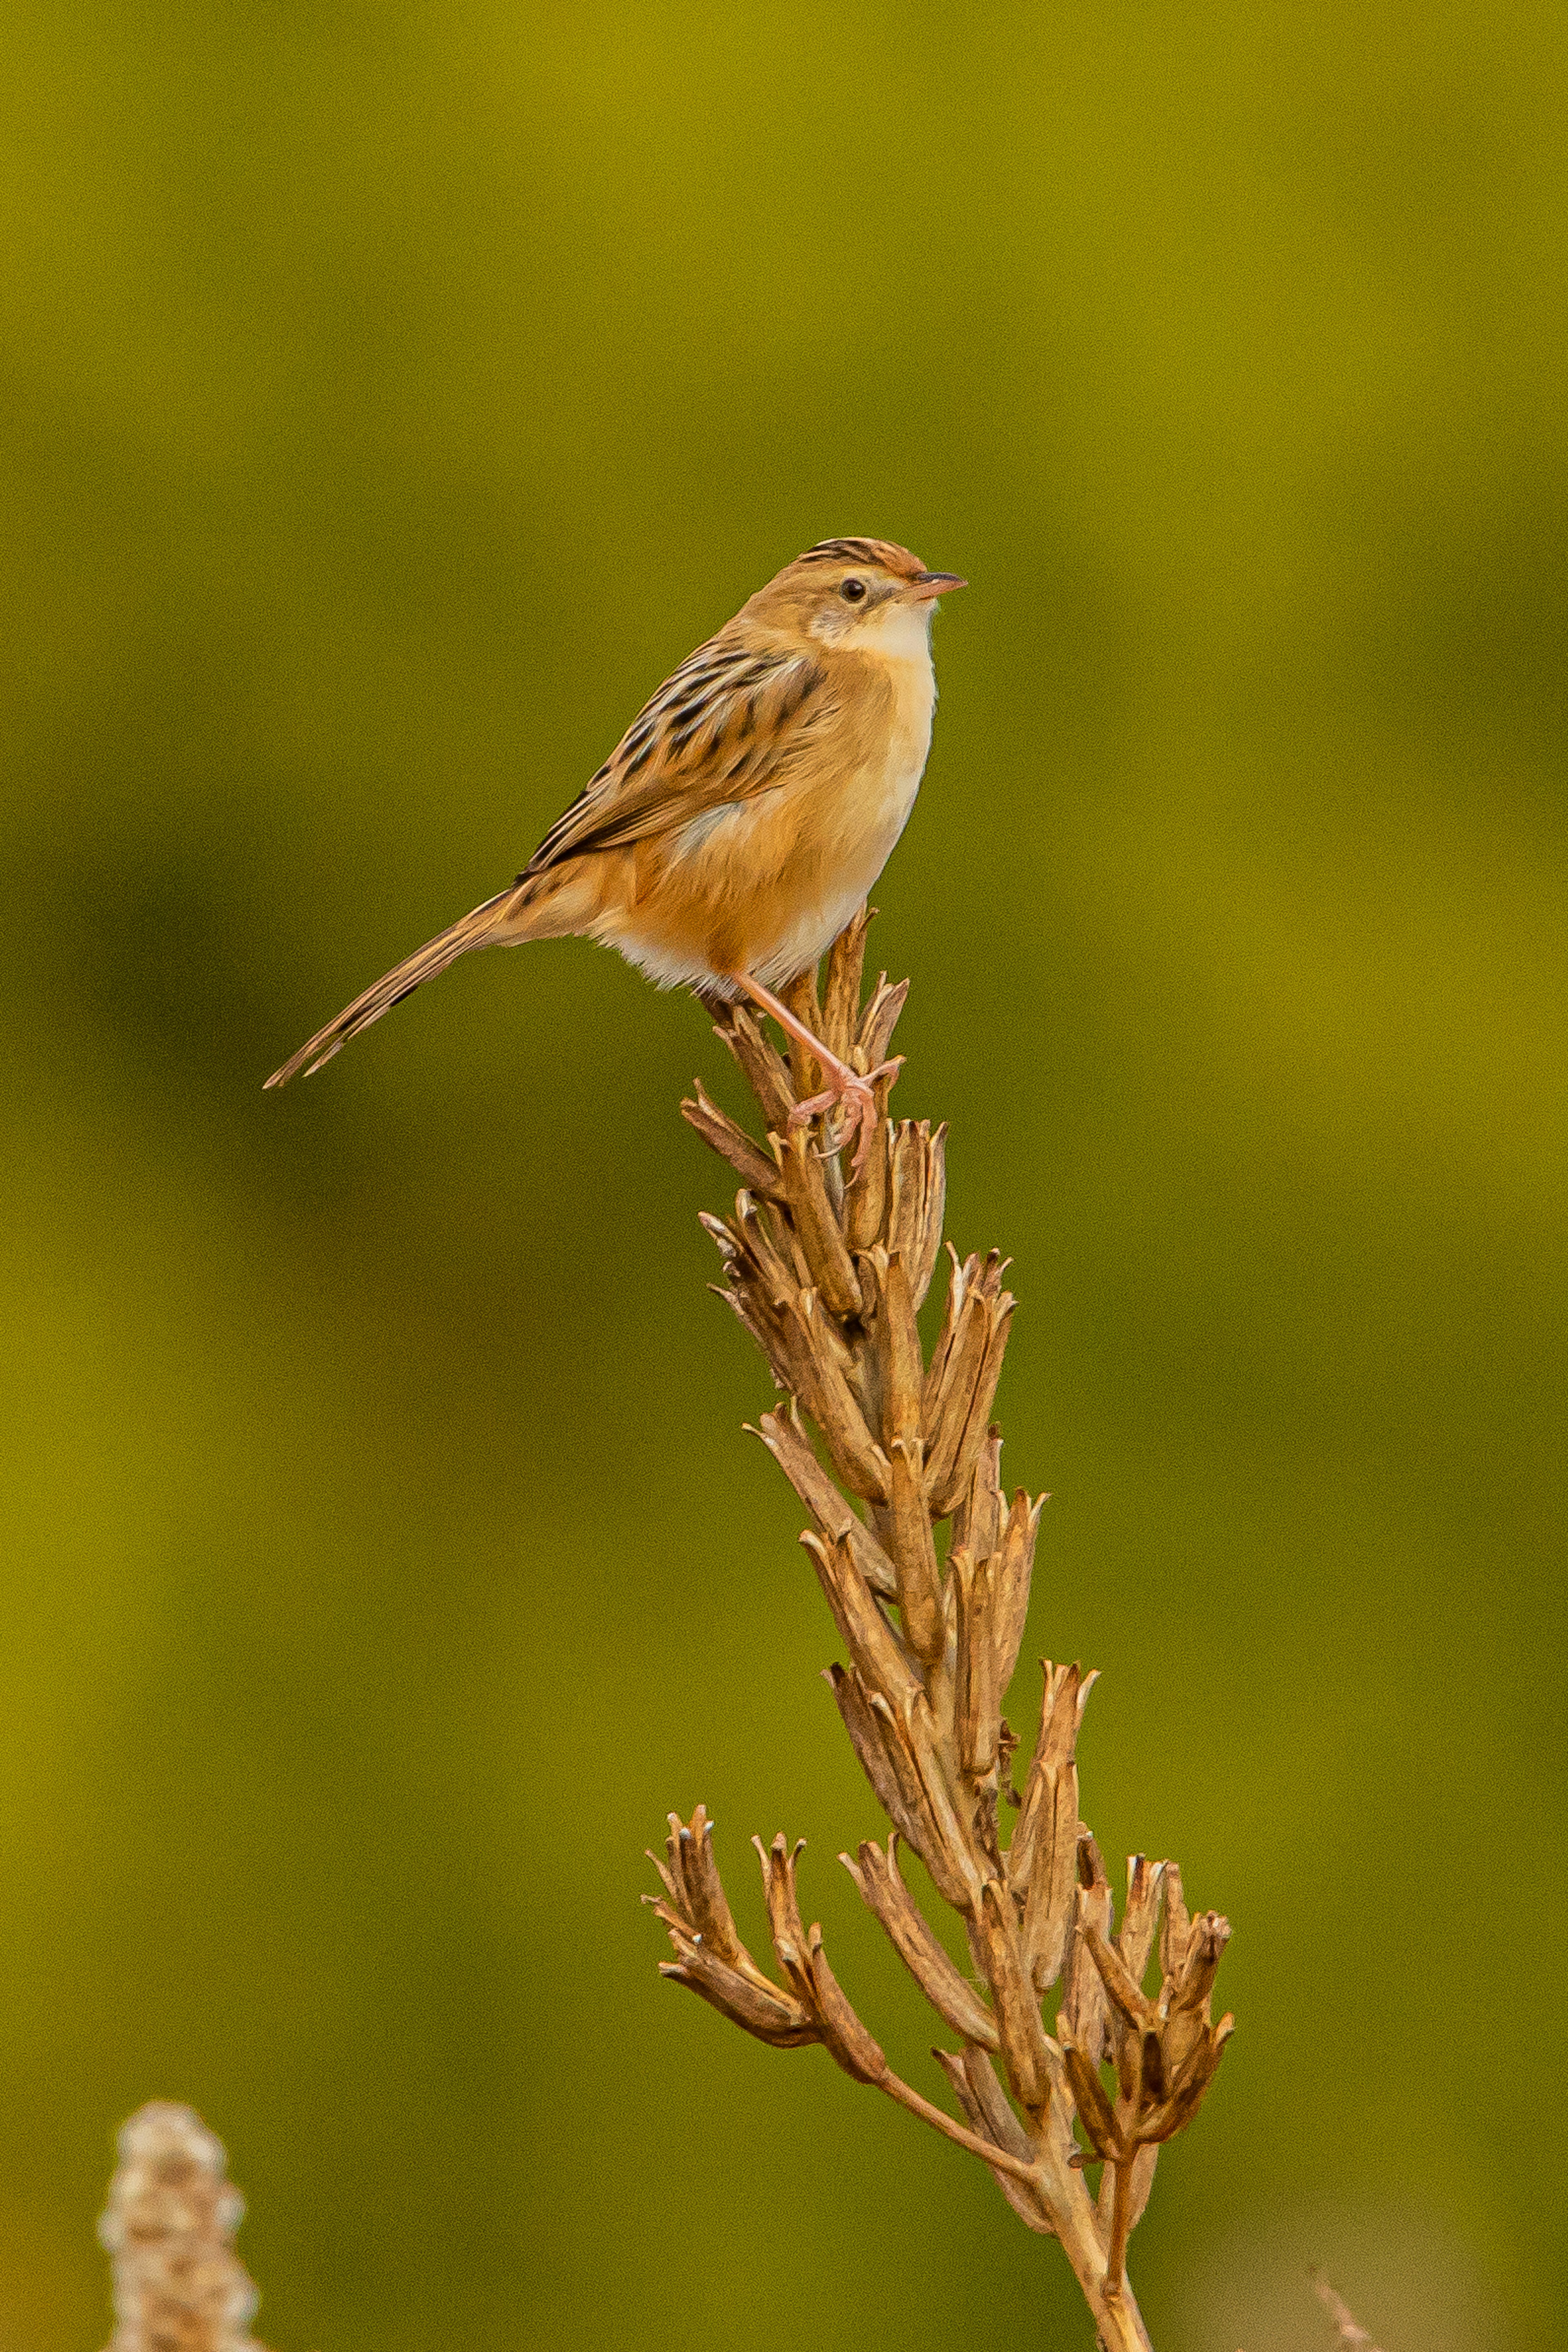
<point>852,590</point>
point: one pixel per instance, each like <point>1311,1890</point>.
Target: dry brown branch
<point>169,2227</point>
<point>827,1276</point>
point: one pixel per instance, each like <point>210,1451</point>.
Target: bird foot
<point>854,1091</point>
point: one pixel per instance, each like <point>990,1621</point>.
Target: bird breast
<point>763,884</point>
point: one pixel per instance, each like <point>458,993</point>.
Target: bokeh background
<point>391,395</point>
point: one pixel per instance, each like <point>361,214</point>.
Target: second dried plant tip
<point>168,2228</point>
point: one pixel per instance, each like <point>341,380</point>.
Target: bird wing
<point>732,720</point>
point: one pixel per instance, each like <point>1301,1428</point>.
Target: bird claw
<point>860,1102</point>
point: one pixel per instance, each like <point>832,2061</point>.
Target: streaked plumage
<point>748,808</point>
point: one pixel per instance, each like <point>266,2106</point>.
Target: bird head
<point>855,592</point>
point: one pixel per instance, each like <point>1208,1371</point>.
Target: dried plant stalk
<point>826,1273</point>
<point>168,2228</point>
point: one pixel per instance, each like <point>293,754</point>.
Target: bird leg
<point>844,1085</point>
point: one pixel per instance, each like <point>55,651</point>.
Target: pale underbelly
<point>761,886</point>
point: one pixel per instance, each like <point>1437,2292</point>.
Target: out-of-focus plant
<point>828,1275</point>
<point>168,2229</point>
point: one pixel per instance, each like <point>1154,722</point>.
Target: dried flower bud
<point>804,1963</point>
<point>846,2037</point>
<point>842,984</point>
<point>766,1072</point>
<point>771,1252</point>
<point>1042,1859</point>
<point>984,2103</point>
<point>709,1954</point>
<point>960,1273</point>
<point>1206,1940</point>
<point>978,1514</point>
<point>1017,2010</point>
<point>1083,2010</point>
<point>787,1440</point>
<point>960,1862</point>
<point>1095,2111</point>
<point>897,1345</point>
<point>1134,1939</point>
<point>693,1884</point>
<point>998,2120</point>
<point>961,1343</point>
<point>820,1237</point>
<point>1130,2018</point>
<point>806,1071</point>
<point>874,1648</point>
<point>865,1722</point>
<point>784,1923</point>
<point>957,1411</point>
<point>764,1285</point>
<point>1127,1997</point>
<point>866,1194</point>
<point>914,1552</point>
<point>1176,1926</point>
<point>882,1887</point>
<point>754,1167</point>
<point>771,2017</point>
<point>1013,1575</point>
<point>832,1403</point>
<point>917,1198</point>
<point>976,1715</point>
<point>880,1019</point>
<point>1185,2001</point>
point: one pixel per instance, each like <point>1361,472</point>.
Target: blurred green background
<point>392,396</point>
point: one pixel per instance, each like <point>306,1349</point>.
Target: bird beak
<point>926,586</point>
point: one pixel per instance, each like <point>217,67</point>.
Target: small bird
<point>745,813</point>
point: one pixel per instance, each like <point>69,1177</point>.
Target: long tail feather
<point>474,931</point>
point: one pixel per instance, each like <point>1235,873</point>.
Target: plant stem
<point>1112,2306</point>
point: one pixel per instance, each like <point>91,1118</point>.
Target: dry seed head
<point>826,1271</point>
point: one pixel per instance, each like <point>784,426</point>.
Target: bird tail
<point>487,925</point>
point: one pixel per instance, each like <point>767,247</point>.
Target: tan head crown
<point>841,588</point>
<point>883,554</point>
